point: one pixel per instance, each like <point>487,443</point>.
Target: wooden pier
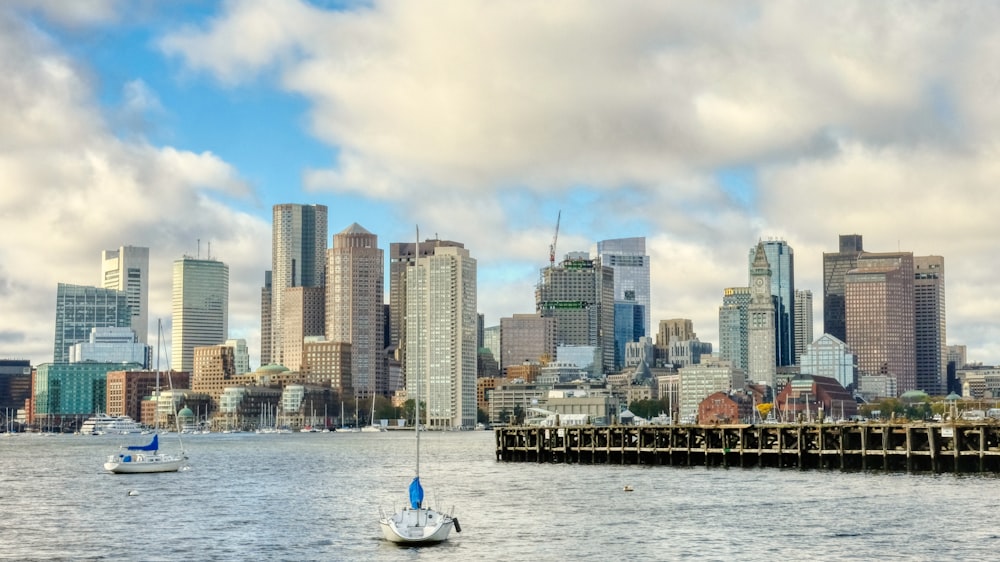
<point>961,447</point>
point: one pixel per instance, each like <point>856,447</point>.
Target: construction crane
<point>555,238</point>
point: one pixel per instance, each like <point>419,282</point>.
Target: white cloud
<point>74,189</point>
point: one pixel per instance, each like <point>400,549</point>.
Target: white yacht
<point>101,424</point>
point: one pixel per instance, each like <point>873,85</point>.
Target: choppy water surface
<point>317,497</point>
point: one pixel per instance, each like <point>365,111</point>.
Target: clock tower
<point>761,346</point>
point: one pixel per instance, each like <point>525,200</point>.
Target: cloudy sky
<point>701,126</point>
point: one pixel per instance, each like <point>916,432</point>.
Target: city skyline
<point>156,128</point>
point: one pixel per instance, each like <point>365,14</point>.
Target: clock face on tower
<point>758,284</point>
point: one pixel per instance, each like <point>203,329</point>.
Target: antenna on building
<point>555,238</point>
<point>199,248</point>
<point>209,249</point>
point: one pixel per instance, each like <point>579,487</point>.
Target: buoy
<point>458,528</point>
<point>132,493</point>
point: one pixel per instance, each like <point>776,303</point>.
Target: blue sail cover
<point>416,493</point>
<point>153,445</point>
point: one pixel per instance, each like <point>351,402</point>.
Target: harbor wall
<point>958,447</point>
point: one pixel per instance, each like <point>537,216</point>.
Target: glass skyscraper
<point>628,260</point>
<point>80,309</point>
<point>781,259</point>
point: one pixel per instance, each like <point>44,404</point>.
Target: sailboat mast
<point>416,405</point>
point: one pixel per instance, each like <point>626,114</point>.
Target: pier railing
<point>959,447</point>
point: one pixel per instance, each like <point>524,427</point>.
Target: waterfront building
<point>781,261</point>
<point>126,390</point>
<point>328,363</point>
<point>876,387</point>
<point>803,321</point>
<point>930,330</point>
<point>402,255</point>
<point>878,298</point>
<point>80,309</point>
<point>354,306</point>
<point>835,268</point>
<point>200,308</point>
<point>527,337</point>
<point>241,355</point>
<point>832,358</point>
<point>979,382</point>
<point>727,407</point>
<point>579,294</point>
<point>807,396</point>
<point>734,326</point>
<point>112,345</point>
<point>304,316</point>
<point>15,383</point>
<point>441,347</point>
<point>298,257</point>
<point>214,369</point>
<point>484,391</point>
<point>511,400</point>
<point>127,269</point>
<point>698,381</point>
<point>65,393</point>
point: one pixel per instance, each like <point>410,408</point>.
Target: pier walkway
<point>913,447</point>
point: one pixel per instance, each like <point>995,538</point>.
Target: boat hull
<point>417,526</point>
<point>144,464</point>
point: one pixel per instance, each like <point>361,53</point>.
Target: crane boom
<point>555,238</point>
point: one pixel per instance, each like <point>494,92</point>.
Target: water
<point>317,497</point>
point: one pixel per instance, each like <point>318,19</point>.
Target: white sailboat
<point>417,524</point>
<point>141,459</point>
<point>372,427</point>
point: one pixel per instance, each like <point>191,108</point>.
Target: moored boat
<point>140,459</point>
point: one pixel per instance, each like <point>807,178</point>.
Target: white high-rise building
<point>200,308</point>
<point>761,352</point>
<point>803,322</point>
<point>441,320</point>
<point>298,256</point>
<point>127,269</point>
<point>355,270</point>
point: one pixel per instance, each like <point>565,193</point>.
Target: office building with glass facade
<point>80,309</point>
<point>781,259</point>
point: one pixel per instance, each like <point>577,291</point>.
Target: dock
<point>910,447</point>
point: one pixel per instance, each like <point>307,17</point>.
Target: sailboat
<point>139,459</point>
<point>372,427</point>
<point>417,524</point>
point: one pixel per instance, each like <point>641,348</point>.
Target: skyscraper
<point>298,256</point>
<point>355,270</point>
<point>80,309</point>
<point>781,259</point>
<point>265,320</point>
<point>441,352</point>
<point>878,299</point>
<point>734,327</point>
<point>200,308</point>
<point>803,322</point>
<point>127,269</point>
<point>835,267</point>
<point>628,260</point>
<point>929,324</point>
<point>526,337</point>
<point>761,346</point>
<point>579,294</point>
<point>402,255</point>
